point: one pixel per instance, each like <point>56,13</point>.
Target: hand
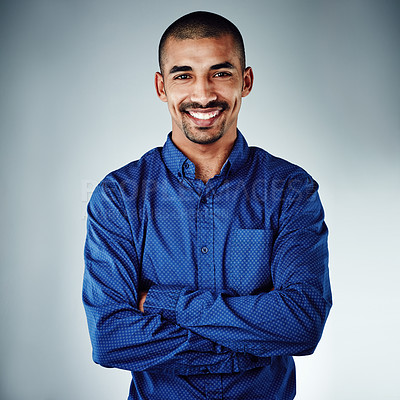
<point>142,299</point>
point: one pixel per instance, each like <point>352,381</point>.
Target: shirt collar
<point>239,154</point>
<point>177,162</point>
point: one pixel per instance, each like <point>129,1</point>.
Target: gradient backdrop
<point>77,101</point>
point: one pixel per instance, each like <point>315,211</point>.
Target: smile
<point>204,115</point>
<point>204,118</point>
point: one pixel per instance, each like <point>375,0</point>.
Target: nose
<point>203,91</point>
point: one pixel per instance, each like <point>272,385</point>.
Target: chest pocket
<point>248,261</point>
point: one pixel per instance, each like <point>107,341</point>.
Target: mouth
<point>204,118</point>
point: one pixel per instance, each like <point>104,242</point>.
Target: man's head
<point>203,78</point>
<point>201,25</point>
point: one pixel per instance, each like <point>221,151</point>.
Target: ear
<point>160,88</point>
<point>248,79</point>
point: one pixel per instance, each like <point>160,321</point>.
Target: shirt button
<point>186,165</point>
<point>204,250</point>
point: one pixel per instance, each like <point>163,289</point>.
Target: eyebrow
<point>180,68</point>
<point>185,68</point>
<point>223,65</point>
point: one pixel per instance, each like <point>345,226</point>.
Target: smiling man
<point>203,80</point>
<point>206,260</point>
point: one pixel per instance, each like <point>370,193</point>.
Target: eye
<point>182,77</point>
<point>222,74</point>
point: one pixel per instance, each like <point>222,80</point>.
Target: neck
<point>210,163</point>
<point>207,158</point>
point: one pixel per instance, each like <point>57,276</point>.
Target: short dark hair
<point>201,25</point>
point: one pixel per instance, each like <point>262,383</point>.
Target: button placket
<point>206,277</point>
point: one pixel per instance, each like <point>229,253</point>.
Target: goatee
<point>199,134</point>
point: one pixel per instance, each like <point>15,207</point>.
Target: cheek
<point>232,94</point>
<point>173,107</point>
<point>175,100</point>
<point>236,100</point>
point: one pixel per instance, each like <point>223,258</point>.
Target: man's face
<point>203,83</point>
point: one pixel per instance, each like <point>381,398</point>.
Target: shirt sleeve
<point>121,335</point>
<point>286,321</point>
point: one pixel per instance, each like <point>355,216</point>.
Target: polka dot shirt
<point>236,272</point>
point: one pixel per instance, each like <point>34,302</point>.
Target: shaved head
<point>201,25</point>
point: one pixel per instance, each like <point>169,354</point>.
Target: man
<point>206,260</point>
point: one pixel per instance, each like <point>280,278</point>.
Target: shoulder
<point>276,167</point>
<point>126,181</point>
<point>133,172</point>
<point>280,179</point>
<point>147,164</point>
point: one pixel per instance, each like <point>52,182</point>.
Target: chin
<point>203,138</point>
<point>202,135</point>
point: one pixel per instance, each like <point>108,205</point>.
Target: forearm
<point>282,322</point>
<point>122,337</point>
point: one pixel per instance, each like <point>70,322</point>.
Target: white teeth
<point>199,115</point>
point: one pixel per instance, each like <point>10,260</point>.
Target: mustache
<point>212,104</point>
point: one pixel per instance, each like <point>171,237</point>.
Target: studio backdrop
<point>77,101</point>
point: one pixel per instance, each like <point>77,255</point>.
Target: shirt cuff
<point>162,299</point>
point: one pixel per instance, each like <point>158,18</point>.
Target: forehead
<point>200,52</point>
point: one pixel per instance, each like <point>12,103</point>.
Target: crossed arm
<point>121,336</point>
<point>183,330</point>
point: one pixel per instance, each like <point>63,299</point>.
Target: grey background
<point>77,101</point>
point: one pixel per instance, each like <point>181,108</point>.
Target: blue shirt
<point>236,269</point>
